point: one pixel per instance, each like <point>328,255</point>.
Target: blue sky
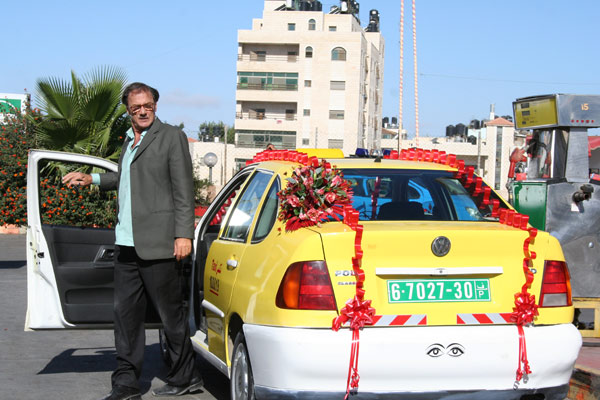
<point>471,53</point>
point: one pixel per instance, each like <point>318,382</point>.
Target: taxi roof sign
<point>557,110</point>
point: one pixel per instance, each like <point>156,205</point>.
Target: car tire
<point>242,381</point>
<point>162,346</point>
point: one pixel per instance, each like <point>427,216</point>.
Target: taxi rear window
<point>411,195</point>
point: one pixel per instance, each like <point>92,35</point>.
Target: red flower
<point>330,197</point>
<point>293,201</point>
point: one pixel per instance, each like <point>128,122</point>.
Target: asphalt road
<point>67,365</point>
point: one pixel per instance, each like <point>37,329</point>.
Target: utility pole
<point>225,156</point>
<point>414,21</point>
<point>479,152</point>
<point>401,89</point>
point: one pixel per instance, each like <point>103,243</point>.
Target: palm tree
<point>84,115</point>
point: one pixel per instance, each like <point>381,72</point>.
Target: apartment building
<point>308,78</point>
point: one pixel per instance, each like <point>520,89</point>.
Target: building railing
<point>262,116</point>
<point>267,86</point>
<point>268,57</point>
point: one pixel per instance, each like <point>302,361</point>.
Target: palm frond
<point>55,98</point>
<point>85,115</point>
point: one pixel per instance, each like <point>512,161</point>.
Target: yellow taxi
<point>441,272</point>
<point>443,311</point>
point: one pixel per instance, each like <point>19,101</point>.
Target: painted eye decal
<point>455,350</point>
<point>435,350</point>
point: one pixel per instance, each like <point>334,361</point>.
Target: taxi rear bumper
<point>419,362</point>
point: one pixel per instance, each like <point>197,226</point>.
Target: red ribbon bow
<point>359,313</point>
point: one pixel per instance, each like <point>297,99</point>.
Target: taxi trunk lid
<point>408,284</point>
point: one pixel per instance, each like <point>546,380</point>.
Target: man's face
<point>142,108</point>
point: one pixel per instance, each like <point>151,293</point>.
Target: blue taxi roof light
<point>360,152</point>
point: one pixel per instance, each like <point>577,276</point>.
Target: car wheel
<point>242,381</point>
<point>162,346</point>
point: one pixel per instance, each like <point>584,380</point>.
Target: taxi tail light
<point>306,286</point>
<point>556,285</point>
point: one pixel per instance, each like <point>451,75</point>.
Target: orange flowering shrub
<point>16,138</point>
<point>76,206</point>
<point>59,205</point>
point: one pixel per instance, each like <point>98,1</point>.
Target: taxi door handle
<point>232,264</point>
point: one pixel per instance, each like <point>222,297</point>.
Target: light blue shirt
<point>124,228</point>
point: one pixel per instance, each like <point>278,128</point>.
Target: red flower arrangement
<point>313,194</point>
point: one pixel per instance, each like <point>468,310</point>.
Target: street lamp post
<point>210,160</point>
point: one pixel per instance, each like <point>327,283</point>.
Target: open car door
<point>70,244</point>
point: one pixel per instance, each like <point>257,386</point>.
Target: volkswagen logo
<point>440,246</point>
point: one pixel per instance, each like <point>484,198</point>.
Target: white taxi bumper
<point>313,363</point>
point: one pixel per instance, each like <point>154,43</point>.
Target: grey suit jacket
<point>162,190</point>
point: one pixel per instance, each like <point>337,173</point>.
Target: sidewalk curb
<point>12,230</point>
<point>585,384</point>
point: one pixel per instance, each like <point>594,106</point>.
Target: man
<point>154,231</point>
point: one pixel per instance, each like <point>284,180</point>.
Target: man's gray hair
<point>138,87</point>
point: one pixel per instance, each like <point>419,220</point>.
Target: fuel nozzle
<point>584,193</point>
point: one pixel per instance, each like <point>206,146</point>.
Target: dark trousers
<point>138,281</point>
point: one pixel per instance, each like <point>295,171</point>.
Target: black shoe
<point>119,392</point>
<point>169,390</point>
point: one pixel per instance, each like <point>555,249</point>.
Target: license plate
<point>438,290</point>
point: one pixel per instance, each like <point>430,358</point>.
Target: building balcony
<point>265,95</point>
<point>266,86</point>
<point>265,116</point>
<point>290,58</point>
<point>268,124</point>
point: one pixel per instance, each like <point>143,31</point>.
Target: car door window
<point>245,209</point>
<point>268,214</point>
<point>74,206</point>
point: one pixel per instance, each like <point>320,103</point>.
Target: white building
<point>305,79</point>
<point>308,79</point>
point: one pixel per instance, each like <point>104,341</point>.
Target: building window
<point>335,143</point>
<point>307,83</point>
<point>258,56</point>
<point>241,163</point>
<point>332,28</point>
<point>267,80</point>
<point>290,115</point>
<point>257,113</point>
<point>336,114</point>
<point>338,54</point>
<point>291,27</point>
<point>292,56</point>
<point>260,139</point>
<point>308,52</point>
<point>337,85</point>
<point>306,112</point>
<point>312,24</point>
<point>305,142</point>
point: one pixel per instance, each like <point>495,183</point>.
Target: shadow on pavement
<point>12,264</point>
<point>82,360</point>
<point>103,359</point>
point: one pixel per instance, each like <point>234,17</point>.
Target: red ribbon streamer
<point>525,309</point>
<point>357,311</point>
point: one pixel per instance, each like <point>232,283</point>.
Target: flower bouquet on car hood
<point>314,193</point>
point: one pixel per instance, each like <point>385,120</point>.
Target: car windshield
<point>404,195</point>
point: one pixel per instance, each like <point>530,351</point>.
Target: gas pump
<point>554,186</point>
